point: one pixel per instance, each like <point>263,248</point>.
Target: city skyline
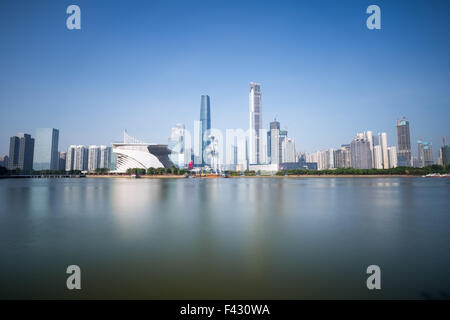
<point>350,81</point>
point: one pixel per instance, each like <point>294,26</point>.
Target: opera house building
<point>132,153</point>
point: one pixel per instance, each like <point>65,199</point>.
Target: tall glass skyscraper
<point>21,150</point>
<point>46,149</point>
<point>275,142</point>
<point>404,143</point>
<point>255,123</point>
<point>205,119</point>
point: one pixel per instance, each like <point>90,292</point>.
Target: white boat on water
<point>437,175</point>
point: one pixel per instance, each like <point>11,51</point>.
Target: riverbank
<point>134,177</point>
<point>261,176</point>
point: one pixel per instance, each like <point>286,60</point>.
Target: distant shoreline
<point>262,176</point>
<point>320,176</point>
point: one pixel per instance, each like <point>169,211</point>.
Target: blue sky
<point>143,65</point>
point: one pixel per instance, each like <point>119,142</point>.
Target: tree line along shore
<point>177,172</point>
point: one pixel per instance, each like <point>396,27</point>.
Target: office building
<point>255,109</point>
<point>288,150</point>
<point>404,143</point>
<point>21,151</point>
<point>445,155</point>
<point>46,149</point>
<point>62,161</point>
<point>274,142</point>
<point>425,154</point>
<point>4,162</point>
<point>176,145</point>
<point>205,122</point>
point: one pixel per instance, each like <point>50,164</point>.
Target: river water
<point>238,238</point>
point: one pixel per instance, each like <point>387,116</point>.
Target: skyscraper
<point>288,155</point>
<point>274,142</point>
<point>342,157</point>
<point>445,154</point>
<point>4,162</point>
<point>361,152</point>
<point>14,143</point>
<point>404,143</point>
<point>62,161</point>
<point>176,145</point>
<point>382,141</point>
<point>425,153</point>
<point>377,157</point>
<point>369,137</point>
<point>21,150</point>
<point>93,158</point>
<point>255,123</point>
<point>205,119</point>
<point>392,156</point>
<point>70,157</point>
<point>112,165</point>
<point>105,157</point>
<point>46,149</point>
<point>330,158</point>
<point>282,135</point>
<point>80,159</point>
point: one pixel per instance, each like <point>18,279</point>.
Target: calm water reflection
<point>225,238</point>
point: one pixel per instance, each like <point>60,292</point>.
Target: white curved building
<point>135,154</point>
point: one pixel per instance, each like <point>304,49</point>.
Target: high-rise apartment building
<point>105,157</point>
<point>93,158</point>
<point>80,159</point>
<point>368,136</point>
<point>392,156</point>
<point>382,142</point>
<point>361,153</point>
<point>404,143</point>
<point>46,149</point>
<point>330,159</point>
<point>377,157</point>
<point>70,158</point>
<point>342,157</point>
<point>21,151</point>
<point>255,123</point>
